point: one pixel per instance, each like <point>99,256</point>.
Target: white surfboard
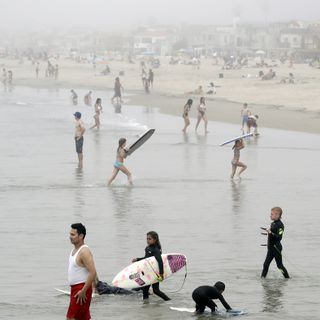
<point>236,138</point>
<point>146,271</point>
<point>231,313</point>
<point>67,292</point>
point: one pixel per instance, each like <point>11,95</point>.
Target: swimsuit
<point>236,157</point>
<point>118,164</point>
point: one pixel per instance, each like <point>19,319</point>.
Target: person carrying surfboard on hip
<point>274,233</point>
<point>202,114</point>
<point>154,250</point>
<point>203,297</point>
<point>119,164</point>
<point>238,145</point>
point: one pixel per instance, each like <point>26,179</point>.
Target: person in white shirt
<point>81,275</point>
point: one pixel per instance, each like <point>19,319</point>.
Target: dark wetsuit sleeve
<point>157,255</point>
<point>277,232</point>
<point>224,302</point>
<point>142,258</point>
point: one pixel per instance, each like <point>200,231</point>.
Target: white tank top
<point>76,274</point>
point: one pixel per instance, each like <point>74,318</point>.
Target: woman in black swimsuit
<point>186,110</point>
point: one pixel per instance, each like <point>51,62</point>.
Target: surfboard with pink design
<point>146,271</point>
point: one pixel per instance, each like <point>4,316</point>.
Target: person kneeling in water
<point>105,288</point>
<point>203,297</point>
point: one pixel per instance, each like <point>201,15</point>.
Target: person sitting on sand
<point>269,76</point>
<point>252,123</point>
<point>198,91</point>
<point>119,164</point>
<point>212,88</point>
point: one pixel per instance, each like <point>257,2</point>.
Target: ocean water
<point>181,189</point>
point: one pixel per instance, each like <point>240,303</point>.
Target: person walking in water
<point>119,164</point>
<point>203,297</point>
<point>81,275</point>
<point>117,90</point>
<point>154,250</point>
<point>245,113</point>
<point>202,114</point>
<point>151,78</point>
<point>78,137</point>
<point>274,233</point>
<point>88,99</point>
<point>74,97</point>
<point>185,115</point>
<point>98,111</point>
<point>238,145</point>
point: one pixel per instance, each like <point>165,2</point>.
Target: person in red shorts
<point>81,275</point>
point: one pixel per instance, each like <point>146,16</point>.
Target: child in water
<point>154,250</point>
<point>203,297</point>
<point>119,164</point>
<point>274,234</point>
<point>238,145</point>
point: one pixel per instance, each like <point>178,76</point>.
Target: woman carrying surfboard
<point>238,145</point>
<point>185,115</point>
<point>154,250</point>
<point>119,164</point>
<point>202,114</point>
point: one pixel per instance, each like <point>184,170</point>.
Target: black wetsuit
<point>105,288</point>
<point>154,251</point>
<point>274,249</point>
<point>203,296</point>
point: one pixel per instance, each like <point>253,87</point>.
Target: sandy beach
<point>283,106</point>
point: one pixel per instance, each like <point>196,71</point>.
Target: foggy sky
<point>112,14</point>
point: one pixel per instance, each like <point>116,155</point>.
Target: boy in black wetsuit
<point>204,295</point>
<point>274,243</point>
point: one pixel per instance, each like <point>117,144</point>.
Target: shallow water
<point>182,190</point>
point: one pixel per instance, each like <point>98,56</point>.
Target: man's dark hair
<point>81,229</point>
<point>220,286</point>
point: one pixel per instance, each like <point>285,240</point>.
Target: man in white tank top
<point>81,274</point>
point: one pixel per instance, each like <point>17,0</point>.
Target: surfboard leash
<point>183,282</point>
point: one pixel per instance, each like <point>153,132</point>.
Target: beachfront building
<point>154,41</point>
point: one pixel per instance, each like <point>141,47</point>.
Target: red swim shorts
<point>76,310</point>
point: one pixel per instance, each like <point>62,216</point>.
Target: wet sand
<point>227,111</point>
<point>282,106</point>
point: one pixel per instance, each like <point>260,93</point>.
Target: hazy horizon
<point>41,15</point>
